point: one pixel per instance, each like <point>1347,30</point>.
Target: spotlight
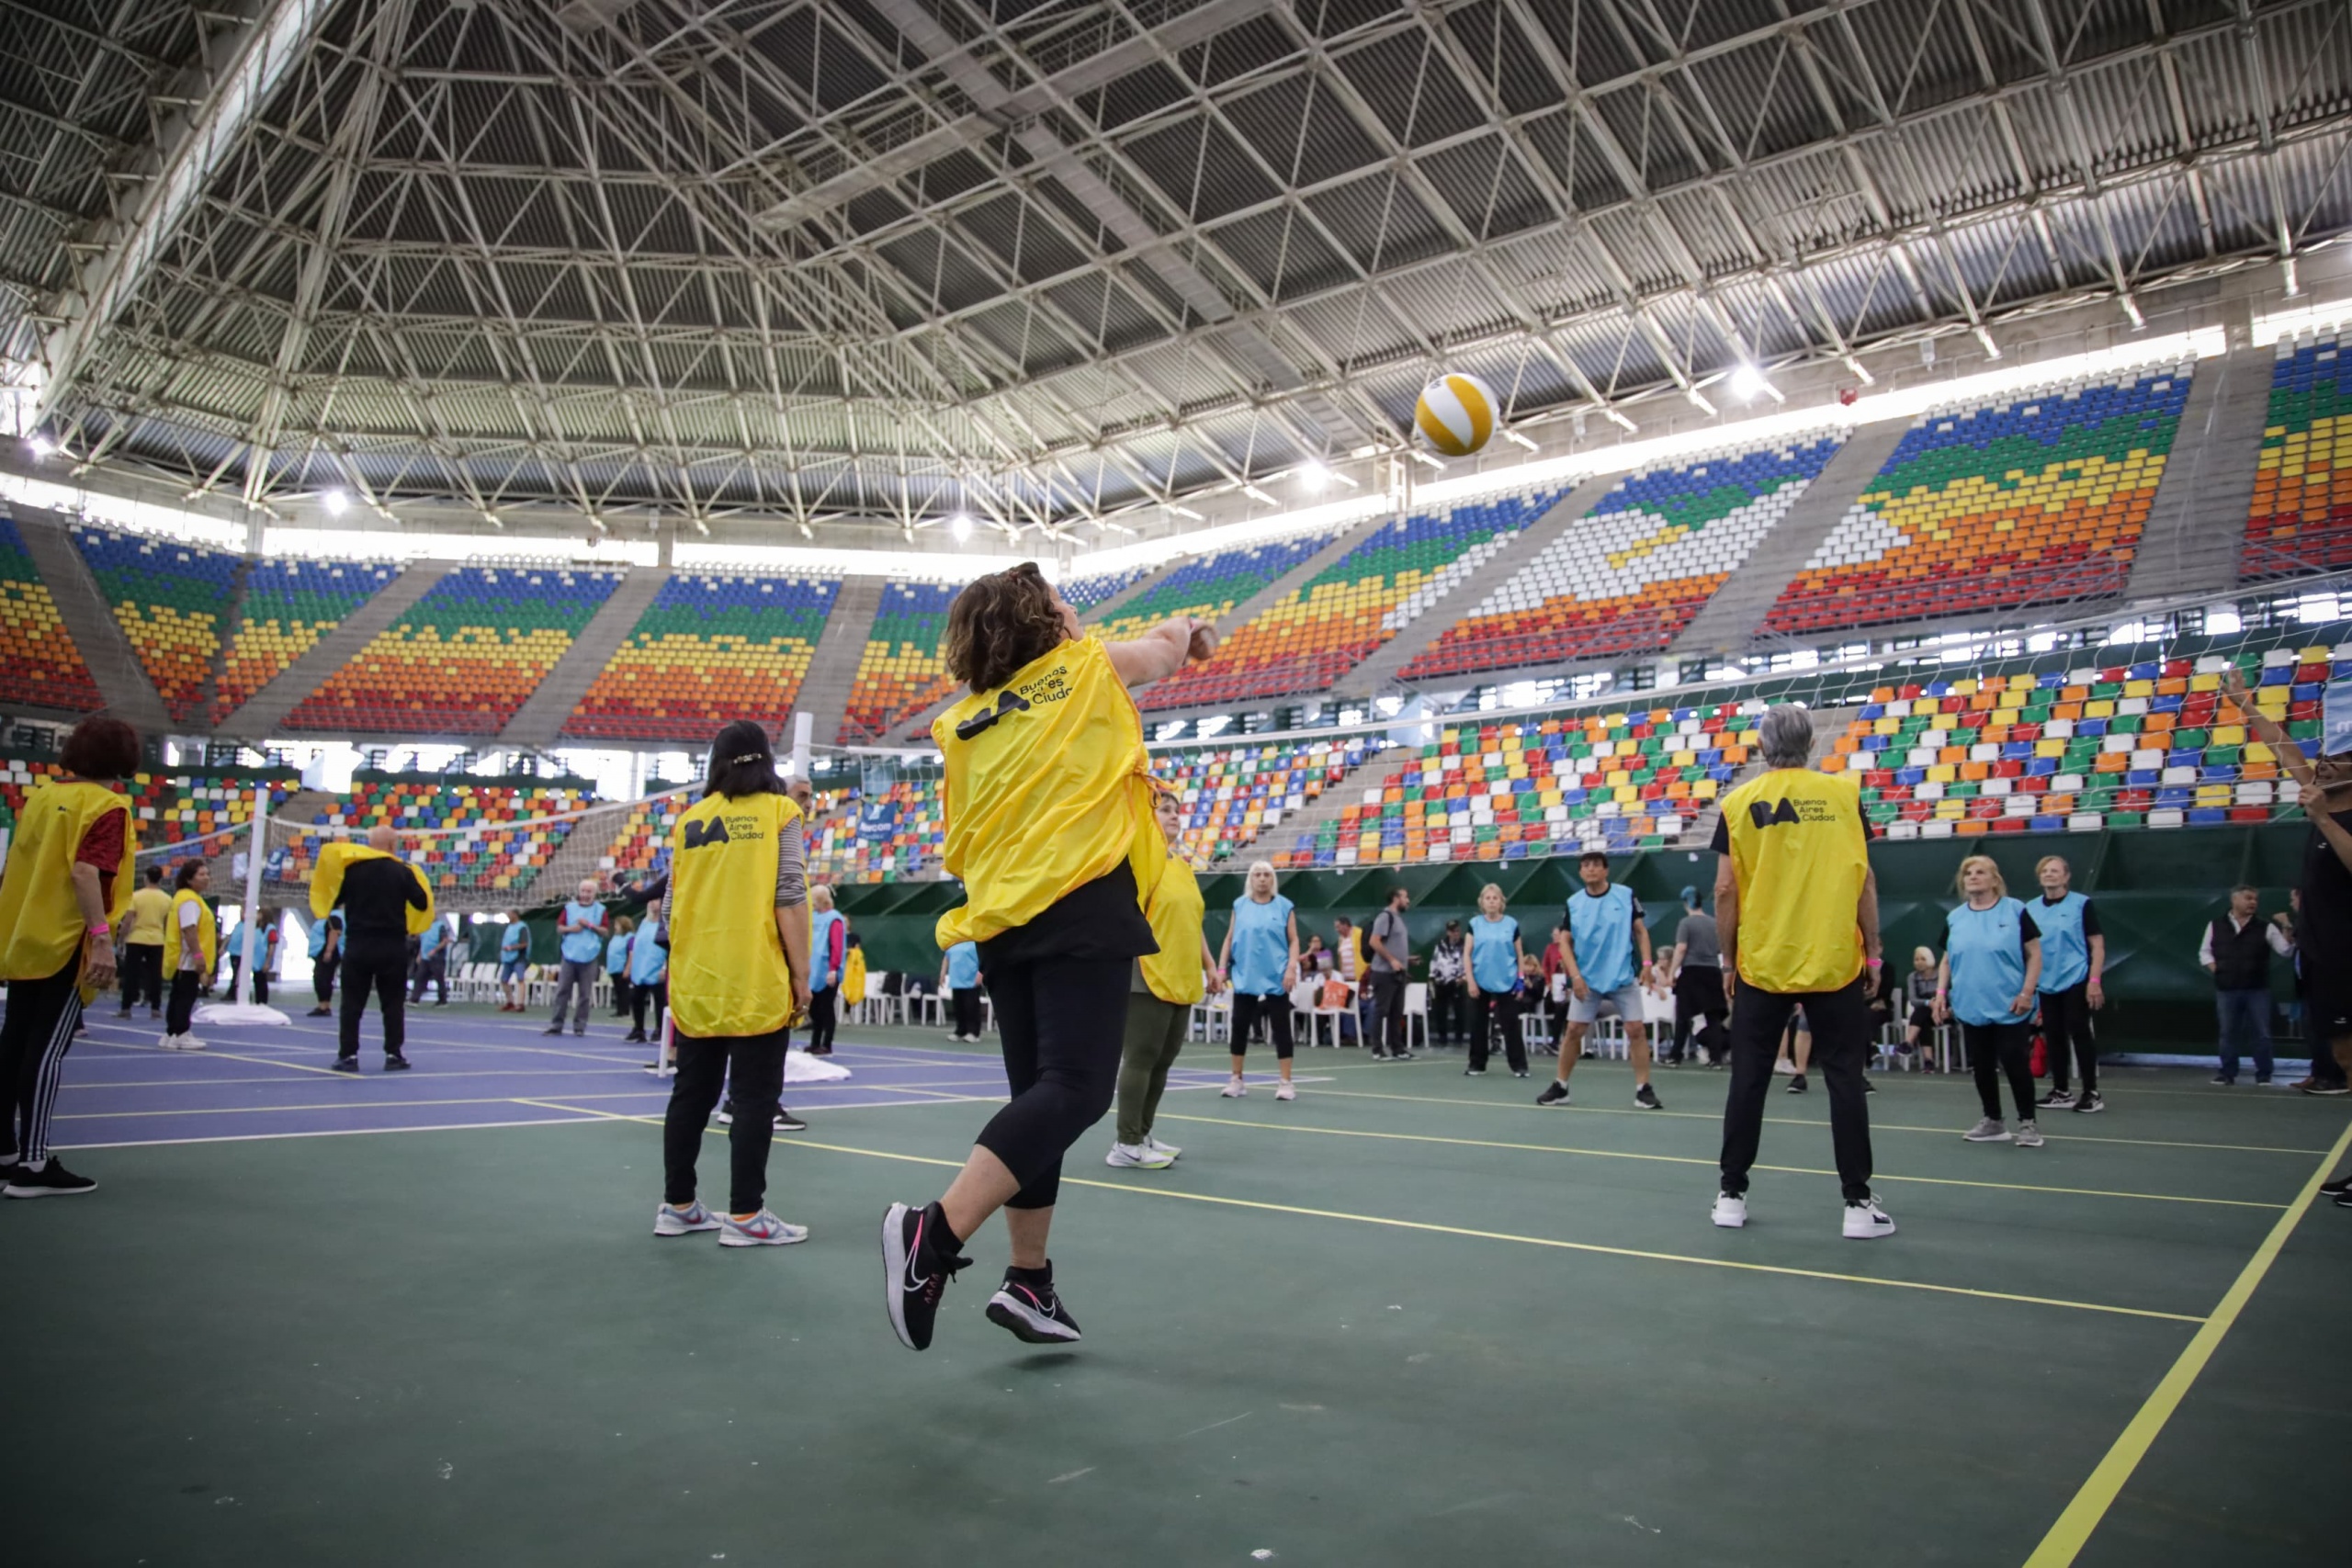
<point>39,446</point>
<point>1746,383</point>
<point>335,502</point>
<point>961,526</point>
<point>1314,476</point>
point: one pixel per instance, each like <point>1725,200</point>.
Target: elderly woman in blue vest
<point>2073,958</point>
<point>1259,962</point>
<point>960,975</point>
<point>432,964</point>
<point>1495,951</point>
<point>1607,933</point>
<point>648,974</point>
<point>617,963</point>
<point>828,952</point>
<point>1991,971</point>
<point>579,930</point>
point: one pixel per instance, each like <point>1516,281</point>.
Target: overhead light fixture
<point>1186,512</point>
<point>961,526</point>
<point>1254,494</point>
<point>1423,456</point>
<point>1697,399</point>
<point>1314,476</point>
<point>39,446</point>
<point>1861,373</point>
<point>1517,439</point>
<point>1621,422</point>
<point>1985,340</point>
<point>1746,383</point>
<point>2132,309</point>
<point>2286,267</point>
<point>336,503</point>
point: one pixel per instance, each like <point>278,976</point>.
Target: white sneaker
<point>1866,1221</point>
<point>1988,1129</point>
<point>1136,1156</point>
<point>1731,1212</point>
<point>1233,1090</point>
<point>668,1221</point>
<point>190,1043</point>
<point>761,1229</point>
<point>1784,1067</point>
<point>2028,1136</point>
<point>1156,1147</point>
<point>1283,1091</point>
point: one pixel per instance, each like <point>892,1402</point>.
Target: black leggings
<point>1490,1012</point>
<point>1275,1009</point>
<point>383,973</point>
<point>142,974</point>
<point>1994,1049</point>
<point>1062,1021</point>
<point>752,1068</point>
<point>2067,1029</point>
<point>654,991</point>
<point>824,1014</point>
<point>179,1015</point>
<point>322,978</point>
<point>964,1003</point>
<point>34,1038</point>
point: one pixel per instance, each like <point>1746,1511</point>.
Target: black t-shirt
<point>377,897</point>
<point>1095,920</point>
<point>2090,914</point>
<point>2323,928</point>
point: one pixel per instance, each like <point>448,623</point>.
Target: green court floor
<point>1407,1319</point>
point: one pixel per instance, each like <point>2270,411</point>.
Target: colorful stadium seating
<point>1212,584</point>
<point>899,674</point>
<point>886,838</point>
<point>2300,518</point>
<point>171,807</point>
<point>1082,593</point>
<point>464,658</point>
<point>1233,794</point>
<point>1338,617</point>
<point>1520,787</point>
<point>40,666</point>
<point>172,601</point>
<point>641,843</point>
<point>708,650</point>
<point>1629,576</point>
<point>483,855</point>
<point>2036,501</point>
<point>288,607</point>
<point>2131,746</point>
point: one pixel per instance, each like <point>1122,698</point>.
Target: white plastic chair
<point>1417,1010</point>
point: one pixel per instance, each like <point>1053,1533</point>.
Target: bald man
<point>377,896</point>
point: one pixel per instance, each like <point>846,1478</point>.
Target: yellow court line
<point>1876,1126</point>
<point>1691,1159</point>
<point>1435,1229</point>
<point>2083,1515</point>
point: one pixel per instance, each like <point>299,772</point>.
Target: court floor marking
<point>1876,1125</point>
<point>577,1119</point>
<point>2084,1515</point>
<point>1432,1228</point>
<point>1692,1160</point>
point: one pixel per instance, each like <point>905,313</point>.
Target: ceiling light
<point>335,502</point>
<point>2132,309</point>
<point>1186,512</point>
<point>1314,476</point>
<point>39,446</point>
<point>961,526</point>
<point>2286,267</point>
<point>1861,373</point>
<point>1746,383</point>
<point>1254,494</point>
<point>1425,457</point>
<point>1516,438</point>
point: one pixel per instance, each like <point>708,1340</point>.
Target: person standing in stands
<point>326,953</point>
<point>960,977</point>
<point>737,915</point>
<point>1796,916</point>
<point>649,978</point>
<point>1391,965</point>
<point>1697,966</point>
<point>196,944</point>
<point>1167,986</point>
<point>2073,958</point>
<point>142,949</point>
<point>1259,959</point>
<point>616,964</point>
<point>828,951</point>
<point>67,886</point>
<point>581,928</point>
<point>1048,802</point>
<point>1496,956</point>
<point>1606,931</point>
<point>1992,972</point>
<point>385,901</point>
<point>2236,952</point>
<point>1449,1001</point>
<point>432,964</point>
<point>513,958</point>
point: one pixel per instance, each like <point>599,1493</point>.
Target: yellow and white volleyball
<point>1457,413</point>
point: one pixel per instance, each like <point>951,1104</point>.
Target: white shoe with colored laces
<point>668,1221</point>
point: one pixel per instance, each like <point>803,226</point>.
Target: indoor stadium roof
<point>1051,263</point>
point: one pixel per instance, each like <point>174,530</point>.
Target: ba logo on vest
<point>1765,814</point>
<point>716,831</point>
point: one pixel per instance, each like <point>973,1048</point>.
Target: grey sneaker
<point>2028,1136</point>
<point>1991,1130</point>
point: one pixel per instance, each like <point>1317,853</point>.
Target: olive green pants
<point>1155,1031</point>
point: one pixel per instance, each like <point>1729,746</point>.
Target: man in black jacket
<point>2236,953</point>
<point>377,894</point>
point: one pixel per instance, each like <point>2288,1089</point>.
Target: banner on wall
<point>2335,719</point>
<point>878,819</point>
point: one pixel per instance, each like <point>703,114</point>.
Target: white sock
<point>35,1166</point>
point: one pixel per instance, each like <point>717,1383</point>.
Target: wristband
<point>102,929</point>
<point>1940,990</point>
<point>1875,962</point>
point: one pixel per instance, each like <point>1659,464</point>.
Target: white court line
<point>337,1132</point>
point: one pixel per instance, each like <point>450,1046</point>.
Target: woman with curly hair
<point>1049,804</point>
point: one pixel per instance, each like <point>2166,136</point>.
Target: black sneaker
<point>314,1012</point>
<point>54,1181</point>
<point>914,1271</point>
<point>1028,1306</point>
<point>346,1063</point>
<point>1647,1098</point>
<point>785,1121</point>
<point>2344,1199</point>
<point>726,1114</point>
<point>1797,1084</point>
<point>2337,1186</point>
<point>1474,1072</point>
<point>395,1063</point>
<point>2058,1100</point>
<point>1869,1087</point>
<point>2338,1088</point>
<point>580,1030</point>
<point>634,1037</point>
<point>1555,1094</point>
<point>552,1028</point>
<point>2090,1104</point>
<point>2224,1081</point>
<point>1519,1072</point>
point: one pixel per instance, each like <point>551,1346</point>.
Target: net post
<point>256,840</point>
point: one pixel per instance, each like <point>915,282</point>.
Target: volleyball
<point>1457,413</point>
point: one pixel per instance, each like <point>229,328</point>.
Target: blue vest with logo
<point>2065,952</point>
<point>1602,929</point>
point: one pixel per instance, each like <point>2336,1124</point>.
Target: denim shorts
<point>1626,998</point>
<point>511,969</point>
